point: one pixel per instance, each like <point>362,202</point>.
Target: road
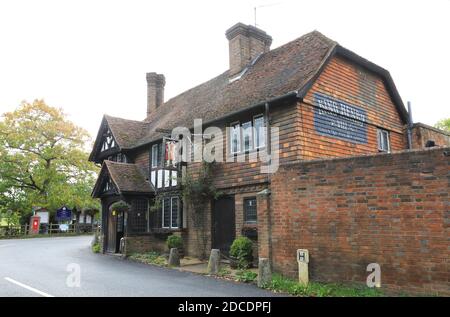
<point>43,266</point>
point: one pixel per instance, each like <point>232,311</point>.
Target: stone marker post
<point>174,257</point>
<point>303,260</point>
<point>214,262</point>
<point>264,272</point>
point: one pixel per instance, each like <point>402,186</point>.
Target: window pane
<point>247,135</point>
<point>174,178</point>
<point>250,211</point>
<point>155,155</point>
<point>260,137</point>
<point>175,212</point>
<point>166,212</point>
<point>153,178</point>
<point>235,138</point>
<point>160,179</point>
<point>166,178</point>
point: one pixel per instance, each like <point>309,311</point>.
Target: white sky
<point>90,56</point>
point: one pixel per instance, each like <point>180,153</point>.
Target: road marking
<point>6,245</point>
<point>28,287</point>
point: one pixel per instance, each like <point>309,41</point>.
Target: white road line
<point>28,287</point>
<point>6,245</point>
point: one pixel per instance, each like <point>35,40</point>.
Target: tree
<point>42,160</point>
<point>443,124</point>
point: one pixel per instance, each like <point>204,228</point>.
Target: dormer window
<point>108,141</point>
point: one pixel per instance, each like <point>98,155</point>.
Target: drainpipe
<point>410,126</point>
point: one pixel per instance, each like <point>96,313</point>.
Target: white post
<point>303,260</point>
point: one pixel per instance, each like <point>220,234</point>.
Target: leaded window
<point>171,212</point>
<point>138,216</point>
<point>250,211</point>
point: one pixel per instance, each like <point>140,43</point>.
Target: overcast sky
<point>90,57</point>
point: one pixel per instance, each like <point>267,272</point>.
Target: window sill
<point>166,230</point>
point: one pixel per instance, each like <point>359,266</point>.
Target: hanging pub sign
<point>170,152</point>
<point>338,119</point>
<point>64,214</point>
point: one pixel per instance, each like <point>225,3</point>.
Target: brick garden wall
<point>392,209</point>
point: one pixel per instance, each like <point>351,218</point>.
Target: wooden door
<point>223,224</point>
<point>112,232</point>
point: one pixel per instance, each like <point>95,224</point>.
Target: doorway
<point>116,226</point>
<point>223,224</point>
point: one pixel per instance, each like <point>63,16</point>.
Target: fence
<point>48,229</point>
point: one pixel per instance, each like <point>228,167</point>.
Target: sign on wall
<point>338,119</point>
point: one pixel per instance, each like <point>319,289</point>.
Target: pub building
<point>325,100</point>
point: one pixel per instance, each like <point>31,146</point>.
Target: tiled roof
<point>275,73</point>
<point>127,178</point>
<point>126,132</point>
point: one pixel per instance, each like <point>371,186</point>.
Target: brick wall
<point>145,243</point>
<point>392,209</point>
<point>422,133</point>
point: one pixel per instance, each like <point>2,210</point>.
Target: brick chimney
<point>246,42</point>
<point>155,91</point>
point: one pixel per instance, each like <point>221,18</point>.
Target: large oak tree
<point>43,160</point>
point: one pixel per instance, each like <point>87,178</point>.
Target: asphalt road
<point>48,267</point>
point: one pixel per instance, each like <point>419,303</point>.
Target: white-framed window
<point>247,136</point>
<point>260,135</point>
<point>166,178</point>
<point>253,135</point>
<point>160,179</point>
<point>171,212</point>
<point>155,155</point>
<point>383,140</point>
<point>174,178</point>
<point>235,138</point>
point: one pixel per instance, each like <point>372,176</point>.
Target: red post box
<point>35,222</point>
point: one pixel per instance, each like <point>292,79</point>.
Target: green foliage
<point>285,285</point>
<point>246,276</point>
<point>96,248</point>
<point>42,161</point>
<point>443,124</point>
<point>200,188</point>
<point>242,250</point>
<point>198,191</point>
<point>174,241</point>
<point>157,204</point>
<point>120,206</point>
<point>223,272</point>
<point>150,258</point>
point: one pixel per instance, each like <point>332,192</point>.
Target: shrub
<point>174,242</point>
<point>246,276</point>
<point>96,248</point>
<point>242,250</point>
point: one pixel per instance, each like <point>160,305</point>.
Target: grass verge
<point>282,284</point>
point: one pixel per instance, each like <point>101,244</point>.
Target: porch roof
<point>126,178</point>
